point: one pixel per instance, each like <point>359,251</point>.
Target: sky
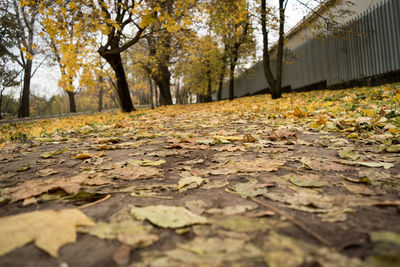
<point>45,80</point>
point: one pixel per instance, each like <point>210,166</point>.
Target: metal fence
<point>369,46</point>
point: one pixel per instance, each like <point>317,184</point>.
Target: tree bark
<point>71,98</point>
<point>101,93</point>
<point>232,80</point>
<point>123,93</point>
<point>151,91</point>
<point>156,93</point>
<point>23,110</point>
<point>1,104</point>
<point>209,86</point>
<point>163,82</point>
<point>222,75</point>
<point>234,59</point>
<point>275,84</point>
<point>279,66</point>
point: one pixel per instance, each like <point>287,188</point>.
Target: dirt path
<point>257,190</point>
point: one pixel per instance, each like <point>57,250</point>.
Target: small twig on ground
<point>293,220</point>
<point>94,203</point>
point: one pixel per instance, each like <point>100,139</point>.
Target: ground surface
<point>312,179</point>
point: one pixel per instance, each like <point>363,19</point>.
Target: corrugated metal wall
<point>369,47</point>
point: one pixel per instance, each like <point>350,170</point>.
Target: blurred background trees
<point>116,54</point>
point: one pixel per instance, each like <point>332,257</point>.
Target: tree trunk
<point>1,103</point>
<point>71,98</point>
<point>156,94</point>
<point>151,91</point>
<point>163,82</point>
<point>23,110</point>
<point>209,88</point>
<point>101,93</point>
<point>222,75</point>
<point>123,93</point>
<point>274,84</point>
<point>232,81</point>
<point>277,93</point>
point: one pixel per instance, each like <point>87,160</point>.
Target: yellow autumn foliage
<point>347,108</point>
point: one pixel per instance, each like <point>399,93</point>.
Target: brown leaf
<point>88,155</point>
<point>248,138</point>
<point>281,134</point>
<point>34,188</point>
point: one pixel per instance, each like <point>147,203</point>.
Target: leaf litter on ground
<point>324,156</point>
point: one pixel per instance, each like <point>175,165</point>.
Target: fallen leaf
<point>385,236</point>
<point>281,134</point>
<point>46,155</point>
<point>223,171</point>
<point>116,229</point>
<point>358,189</point>
<point>282,250</point>
<point>248,138</point>
<point>393,149</point>
<point>231,138</point>
<point>230,210</point>
<point>348,153</point>
<point>88,155</point>
<point>190,182</point>
<point>208,142</point>
<point>45,172</point>
<point>384,165</point>
<point>167,216</point>
<point>49,229</point>
<point>249,189</point>
<point>205,251</point>
<point>218,183</point>
<point>139,240</point>
<point>23,168</point>
<point>33,188</point>
<point>150,162</point>
<point>306,181</point>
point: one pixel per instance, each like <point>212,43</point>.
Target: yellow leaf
<point>49,229</point>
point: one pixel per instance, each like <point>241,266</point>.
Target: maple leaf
<point>49,229</point>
